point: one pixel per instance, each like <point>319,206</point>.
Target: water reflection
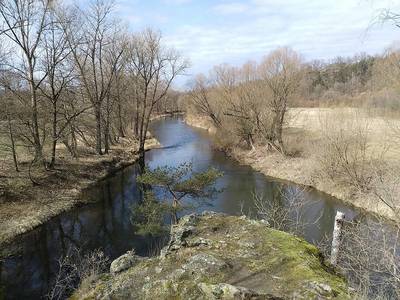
<point>105,224</point>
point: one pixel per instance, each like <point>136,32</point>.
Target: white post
<point>336,239</point>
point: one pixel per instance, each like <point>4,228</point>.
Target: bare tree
<point>281,72</point>
<point>153,68</point>
<point>23,22</point>
<point>114,58</point>
<point>200,96</point>
<point>244,102</point>
<point>59,75</point>
<point>251,102</point>
<point>92,48</point>
<point>8,110</point>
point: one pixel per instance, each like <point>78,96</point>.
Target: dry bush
<point>344,153</point>
<point>77,269</point>
<point>386,188</point>
<point>295,145</point>
<point>285,210</point>
<point>369,257</point>
<point>224,140</point>
<point>386,100</point>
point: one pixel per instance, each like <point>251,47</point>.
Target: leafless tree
<point>199,94</point>
<point>243,103</point>
<point>285,209</point>
<point>251,101</point>
<point>91,39</point>
<point>153,68</point>
<point>281,72</point>
<point>8,110</point>
<point>59,75</point>
<point>23,23</point>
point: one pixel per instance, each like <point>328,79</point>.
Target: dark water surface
<point>106,223</point>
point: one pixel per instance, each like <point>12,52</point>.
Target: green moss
<point>255,256</point>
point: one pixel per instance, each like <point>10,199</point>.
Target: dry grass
<point>306,140</point>
<point>200,122</point>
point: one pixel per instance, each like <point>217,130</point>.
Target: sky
<point>233,31</point>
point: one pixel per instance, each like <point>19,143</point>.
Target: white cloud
<point>230,8</point>
<point>317,29</point>
<point>234,31</point>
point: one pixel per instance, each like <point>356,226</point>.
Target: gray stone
<point>321,289</point>
<point>203,262</point>
<point>198,242</point>
<point>124,262</point>
<point>224,291</point>
<point>208,213</point>
<point>179,233</point>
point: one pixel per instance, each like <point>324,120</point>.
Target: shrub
<point>343,152</point>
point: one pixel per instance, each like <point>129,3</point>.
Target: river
<point>105,224</point>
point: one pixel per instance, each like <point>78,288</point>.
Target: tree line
<point>74,75</point>
<point>249,103</point>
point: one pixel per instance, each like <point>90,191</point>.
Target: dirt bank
<point>24,206</point>
<point>302,169</point>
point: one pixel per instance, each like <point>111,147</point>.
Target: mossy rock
<point>226,257</point>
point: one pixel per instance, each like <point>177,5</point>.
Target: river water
<point>106,223</point>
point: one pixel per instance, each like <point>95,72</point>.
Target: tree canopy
<point>177,182</point>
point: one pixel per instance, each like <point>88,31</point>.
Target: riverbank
<point>215,256</point>
<point>167,115</point>
<point>300,169</point>
<point>24,206</point>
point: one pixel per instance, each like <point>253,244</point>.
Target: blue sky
<point>228,31</point>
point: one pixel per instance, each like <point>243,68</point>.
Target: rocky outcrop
<point>227,291</point>
<point>124,262</point>
<point>214,256</point>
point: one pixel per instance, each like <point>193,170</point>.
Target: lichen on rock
<point>214,256</point>
<point>124,262</point>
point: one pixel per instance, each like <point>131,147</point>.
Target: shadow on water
<point>105,224</point>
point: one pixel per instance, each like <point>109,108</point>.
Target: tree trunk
<point>97,109</point>
<point>136,125</point>
<point>107,127</point>
<point>72,148</point>
<point>106,143</point>
<point>174,213</point>
<point>14,153</point>
<point>34,119</point>
<point>74,142</point>
<point>54,135</point>
<point>121,132</point>
<point>142,136</point>
<point>143,130</point>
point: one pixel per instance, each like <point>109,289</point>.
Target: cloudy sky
<point>213,32</point>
